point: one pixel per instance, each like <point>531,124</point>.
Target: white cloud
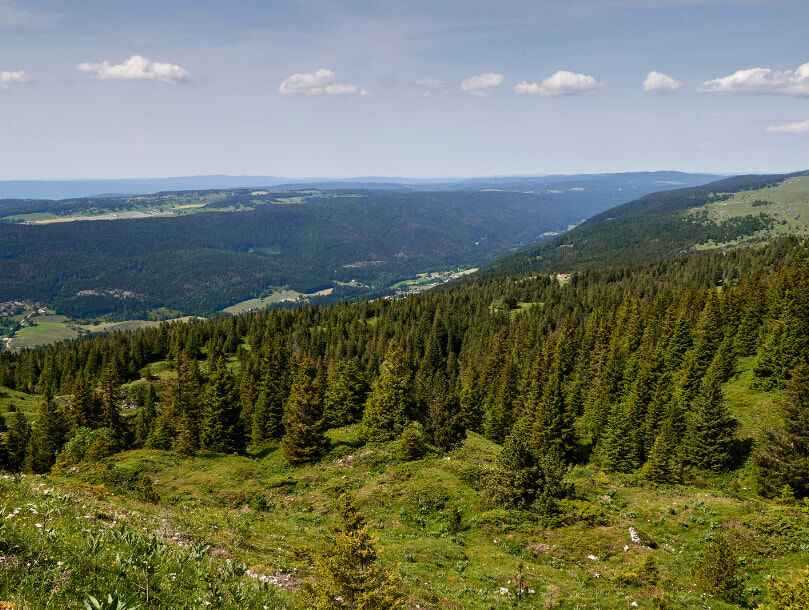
<point>657,82</point>
<point>11,77</point>
<point>797,127</point>
<point>321,82</point>
<point>477,85</point>
<point>762,80</point>
<point>561,83</point>
<point>136,68</point>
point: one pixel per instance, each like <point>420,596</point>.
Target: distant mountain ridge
<point>65,189</point>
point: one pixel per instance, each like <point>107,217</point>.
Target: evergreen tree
<point>82,406</point>
<point>782,457</point>
<point>347,573</point>
<point>717,570</point>
<point>388,403</point>
<point>446,426</point>
<point>304,439</point>
<point>712,428</point>
<point>111,399</point>
<point>268,412</point>
<point>472,401</point>
<point>248,395</point>
<point>184,405</point>
<point>346,392</point>
<point>17,440</point>
<point>517,478</point>
<point>551,423</point>
<point>220,426</point>
<point>49,436</point>
<point>146,417</point>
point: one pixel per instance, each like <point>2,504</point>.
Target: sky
<point>427,88</point>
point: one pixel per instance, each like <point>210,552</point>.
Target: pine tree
<point>782,457</point>
<point>717,570</point>
<point>184,405</point>
<point>346,392</point>
<point>146,418</point>
<point>268,412</point>
<point>712,427</point>
<point>347,573</point>
<point>49,436</point>
<point>17,440</point>
<point>388,403</point>
<point>219,430</point>
<point>472,401</point>
<point>82,406</point>
<point>551,423</point>
<point>111,398</point>
<point>304,439</point>
<point>517,478</point>
<point>248,395</point>
<point>446,426</point>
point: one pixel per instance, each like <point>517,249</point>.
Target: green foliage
<point>345,396</point>
<point>112,602</point>
<point>304,439</point>
<point>388,403</point>
<point>782,456</point>
<point>220,425</point>
<point>716,572</point>
<point>411,445</point>
<point>790,592</point>
<point>347,573</point>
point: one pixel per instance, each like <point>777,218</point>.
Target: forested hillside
<point>726,213</point>
<point>636,433</point>
<point>197,252</point>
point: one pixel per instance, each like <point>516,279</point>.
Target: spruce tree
<point>782,457</point>
<point>248,394</point>
<point>446,425</point>
<point>82,405</point>
<point>219,430</point>
<point>388,403</point>
<point>49,436</point>
<point>184,405</point>
<point>345,396</point>
<point>716,571</point>
<point>17,440</point>
<point>111,398</point>
<point>304,439</point>
<point>551,423</point>
<point>347,572</point>
<point>712,426</point>
<point>517,478</point>
<point>268,412</point>
<point>146,417</point>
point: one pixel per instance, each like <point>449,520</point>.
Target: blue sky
<point>99,89</point>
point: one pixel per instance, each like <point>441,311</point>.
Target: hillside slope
<point>742,210</point>
<point>198,252</point>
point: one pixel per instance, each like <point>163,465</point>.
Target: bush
<point>716,571</point>
<point>77,448</point>
<point>790,593</point>
<point>411,445</point>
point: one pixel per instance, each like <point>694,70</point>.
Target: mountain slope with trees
<point>618,435</point>
<point>663,225</point>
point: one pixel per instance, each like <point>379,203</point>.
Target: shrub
<point>716,571</point>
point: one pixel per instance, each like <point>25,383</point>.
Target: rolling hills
<point>743,210</point>
<point>197,252</point>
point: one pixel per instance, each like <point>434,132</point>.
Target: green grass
<point>787,203</point>
<point>270,517</point>
<point>47,329</point>
<point>279,295</point>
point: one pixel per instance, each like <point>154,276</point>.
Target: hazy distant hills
<point>64,189</point>
<point>742,210</point>
<point>199,251</point>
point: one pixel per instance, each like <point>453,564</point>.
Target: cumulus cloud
<point>561,83</point>
<point>8,78</point>
<point>797,127</point>
<point>477,85</point>
<point>657,82</point>
<point>136,68</point>
<point>762,80</point>
<point>321,82</point>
